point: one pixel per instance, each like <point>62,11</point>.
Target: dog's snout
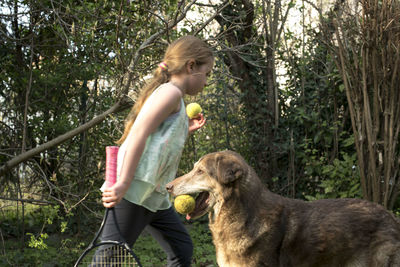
<point>169,187</point>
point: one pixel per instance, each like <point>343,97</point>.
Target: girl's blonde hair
<point>177,55</point>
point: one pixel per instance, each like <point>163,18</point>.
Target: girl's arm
<point>163,103</point>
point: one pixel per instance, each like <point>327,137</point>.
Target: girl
<point>151,147</point>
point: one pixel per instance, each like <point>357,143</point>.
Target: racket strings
<point>109,256</point>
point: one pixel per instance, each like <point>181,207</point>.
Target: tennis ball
<point>184,204</point>
<point>192,110</point>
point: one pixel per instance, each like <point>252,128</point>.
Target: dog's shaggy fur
<point>252,226</point>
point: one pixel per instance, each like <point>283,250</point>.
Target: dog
<point>253,227</point>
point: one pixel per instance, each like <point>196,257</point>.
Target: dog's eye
<point>199,171</point>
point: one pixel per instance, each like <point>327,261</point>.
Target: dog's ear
<point>229,168</point>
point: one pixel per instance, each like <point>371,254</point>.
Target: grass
<point>48,243</point>
<point>151,254</point>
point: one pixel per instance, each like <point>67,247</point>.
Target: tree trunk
<point>258,85</point>
<point>237,29</point>
<point>368,57</point>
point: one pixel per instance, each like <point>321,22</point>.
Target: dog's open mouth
<point>202,204</point>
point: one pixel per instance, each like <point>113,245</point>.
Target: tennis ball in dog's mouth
<point>184,204</point>
<point>192,110</point>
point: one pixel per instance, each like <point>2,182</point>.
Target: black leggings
<point>164,225</point>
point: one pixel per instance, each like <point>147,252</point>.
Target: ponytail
<point>160,76</point>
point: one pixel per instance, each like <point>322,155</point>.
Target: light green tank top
<point>159,162</point>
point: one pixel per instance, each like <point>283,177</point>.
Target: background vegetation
<point>306,91</point>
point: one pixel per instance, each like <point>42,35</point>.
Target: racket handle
<point>111,165</point>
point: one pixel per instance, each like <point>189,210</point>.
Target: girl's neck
<point>179,83</point>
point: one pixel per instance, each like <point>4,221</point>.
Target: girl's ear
<point>190,65</point>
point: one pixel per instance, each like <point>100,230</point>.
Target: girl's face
<point>198,77</point>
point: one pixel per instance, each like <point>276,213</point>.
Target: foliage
<point>340,179</point>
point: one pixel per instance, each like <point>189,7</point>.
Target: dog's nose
<point>169,187</point>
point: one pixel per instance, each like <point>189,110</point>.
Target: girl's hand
<point>196,123</point>
<point>114,194</point>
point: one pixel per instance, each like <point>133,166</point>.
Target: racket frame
<point>122,243</point>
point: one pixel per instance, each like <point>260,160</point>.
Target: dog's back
<point>340,232</point>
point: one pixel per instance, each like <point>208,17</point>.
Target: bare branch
<point>60,139</point>
<point>32,201</point>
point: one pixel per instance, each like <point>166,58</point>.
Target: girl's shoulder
<point>168,89</point>
<point>166,96</point>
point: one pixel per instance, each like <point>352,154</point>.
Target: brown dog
<point>252,226</point>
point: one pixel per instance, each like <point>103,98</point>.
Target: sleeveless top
<point>159,162</point>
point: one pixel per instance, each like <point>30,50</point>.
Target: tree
<point>48,65</point>
<point>251,37</point>
<point>367,53</point>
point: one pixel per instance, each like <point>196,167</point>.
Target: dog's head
<point>210,181</point>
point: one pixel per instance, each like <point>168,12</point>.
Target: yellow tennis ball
<point>192,110</point>
<point>184,204</point>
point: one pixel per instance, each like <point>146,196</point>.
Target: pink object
<point>111,165</point>
<point>163,66</point>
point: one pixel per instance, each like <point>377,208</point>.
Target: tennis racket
<point>108,252</point>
